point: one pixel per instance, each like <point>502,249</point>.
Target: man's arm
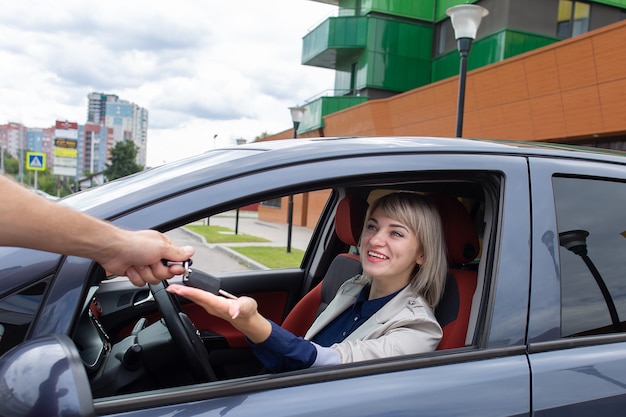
<point>30,221</point>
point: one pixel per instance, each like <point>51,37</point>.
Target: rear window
<point>592,232</point>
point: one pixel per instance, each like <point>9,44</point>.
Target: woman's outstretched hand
<point>228,308</point>
<point>241,312</point>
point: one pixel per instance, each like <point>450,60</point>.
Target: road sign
<point>36,161</point>
<point>65,157</point>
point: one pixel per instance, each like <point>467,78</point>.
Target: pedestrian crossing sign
<point>36,161</point>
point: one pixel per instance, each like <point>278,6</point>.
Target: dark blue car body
<point>539,344</point>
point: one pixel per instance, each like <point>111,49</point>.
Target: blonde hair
<point>422,217</point>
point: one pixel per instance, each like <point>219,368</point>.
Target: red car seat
<point>453,310</point>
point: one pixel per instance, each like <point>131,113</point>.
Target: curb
<point>242,259</point>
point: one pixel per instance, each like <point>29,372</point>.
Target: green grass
<point>273,257</point>
<point>219,234</point>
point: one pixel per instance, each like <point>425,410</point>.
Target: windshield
<point>128,185</point>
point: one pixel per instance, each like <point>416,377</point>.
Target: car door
<point>490,377</point>
<point>576,342</point>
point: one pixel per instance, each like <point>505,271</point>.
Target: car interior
<point>138,339</point>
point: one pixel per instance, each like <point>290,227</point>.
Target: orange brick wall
<point>317,201</point>
<point>280,214</point>
<point>307,208</point>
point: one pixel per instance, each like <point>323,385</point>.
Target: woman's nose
<point>377,239</point>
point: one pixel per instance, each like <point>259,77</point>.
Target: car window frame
<point>544,332</point>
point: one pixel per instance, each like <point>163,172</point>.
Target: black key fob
<point>203,281</point>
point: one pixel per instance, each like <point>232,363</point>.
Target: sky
<point>201,68</point>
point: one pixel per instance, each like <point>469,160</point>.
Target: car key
<point>185,264</point>
<point>202,281</point>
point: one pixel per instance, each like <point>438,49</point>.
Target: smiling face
<point>390,250</point>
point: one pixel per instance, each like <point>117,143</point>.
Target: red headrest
<point>349,219</point>
<point>458,229</point>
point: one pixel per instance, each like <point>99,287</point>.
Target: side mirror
<point>44,377</point>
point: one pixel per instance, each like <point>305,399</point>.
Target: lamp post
<point>465,21</point>
<point>297,113</point>
<point>576,242</point>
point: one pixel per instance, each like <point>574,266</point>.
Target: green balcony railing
<point>324,105</point>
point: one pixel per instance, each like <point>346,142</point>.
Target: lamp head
<point>297,113</point>
<point>466,19</point>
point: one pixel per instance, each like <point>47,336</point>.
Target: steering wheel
<point>184,334</point>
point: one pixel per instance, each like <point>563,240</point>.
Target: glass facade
<point>493,48</point>
<point>573,18</point>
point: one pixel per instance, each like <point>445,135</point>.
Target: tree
<point>49,183</point>
<point>11,164</point>
<point>261,136</point>
<point>123,162</point>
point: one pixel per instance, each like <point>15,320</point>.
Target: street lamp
<point>297,113</point>
<point>465,21</point>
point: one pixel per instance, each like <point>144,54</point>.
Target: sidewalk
<point>221,258</point>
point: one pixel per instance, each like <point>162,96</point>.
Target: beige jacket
<point>403,326</point>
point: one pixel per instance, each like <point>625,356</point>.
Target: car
<point>532,314</point>
<point>46,195</point>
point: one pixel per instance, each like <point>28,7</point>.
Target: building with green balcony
<point>380,48</point>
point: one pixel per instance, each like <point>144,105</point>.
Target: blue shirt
<point>283,351</point>
<point>348,321</point>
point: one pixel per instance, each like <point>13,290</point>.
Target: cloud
<point>196,65</point>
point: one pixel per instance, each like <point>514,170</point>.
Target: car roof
<point>232,161</point>
<point>429,143</point>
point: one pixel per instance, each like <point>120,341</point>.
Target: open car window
<point>251,251</point>
<point>263,235</point>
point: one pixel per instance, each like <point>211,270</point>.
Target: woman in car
<point>385,311</point>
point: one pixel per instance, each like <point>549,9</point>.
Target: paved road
<point>207,258</point>
<point>219,258</point>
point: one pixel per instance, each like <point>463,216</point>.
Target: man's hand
<point>138,255</point>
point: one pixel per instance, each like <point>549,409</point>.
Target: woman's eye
<point>397,234</point>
